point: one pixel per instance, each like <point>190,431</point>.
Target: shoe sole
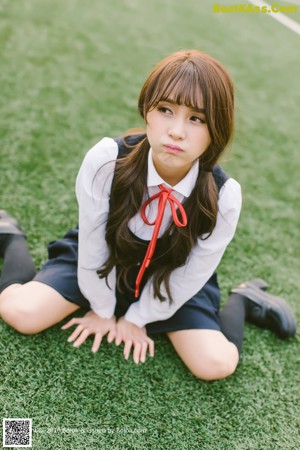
<point>9,225</point>
<point>258,283</point>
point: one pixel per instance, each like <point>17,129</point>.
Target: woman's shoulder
<point>230,197</point>
<point>97,168</point>
<point>232,186</point>
<point>102,152</point>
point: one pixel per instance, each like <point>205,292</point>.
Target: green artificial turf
<point>70,74</point>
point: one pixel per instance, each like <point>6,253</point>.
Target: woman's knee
<point>34,307</point>
<point>206,353</point>
<point>17,313</point>
<point>214,367</point>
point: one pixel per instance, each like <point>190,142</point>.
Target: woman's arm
<point>93,186</point>
<point>205,256</point>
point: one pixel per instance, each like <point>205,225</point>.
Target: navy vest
<point>160,256</point>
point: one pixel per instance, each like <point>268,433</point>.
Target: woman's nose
<point>177,129</point>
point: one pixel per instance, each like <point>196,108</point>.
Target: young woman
<point>156,214</point>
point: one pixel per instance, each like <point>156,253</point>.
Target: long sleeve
<point>205,256</point>
<point>93,186</point>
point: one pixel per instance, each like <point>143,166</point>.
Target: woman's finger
<point>151,347</point>
<point>137,352</point>
<point>97,342</point>
<point>111,336</point>
<point>143,353</point>
<point>86,332</point>
<point>75,333</point>
<point>127,348</point>
<point>118,339</point>
<point>71,322</point>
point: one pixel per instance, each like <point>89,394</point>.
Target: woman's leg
<point>206,353</point>
<point>211,354</point>
<point>28,306</point>
<point>33,307</point>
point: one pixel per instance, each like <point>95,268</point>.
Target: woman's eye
<point>197,119</point>
<point>165,110</point>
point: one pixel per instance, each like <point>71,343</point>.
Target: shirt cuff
<point>133,316</point>
<point>102,299</point>
<point>104,313</point>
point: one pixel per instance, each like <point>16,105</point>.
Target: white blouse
<point>93,186</point>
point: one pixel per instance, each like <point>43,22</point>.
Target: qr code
<point>17,432</point>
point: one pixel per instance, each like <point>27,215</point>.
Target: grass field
<point>70,74</point>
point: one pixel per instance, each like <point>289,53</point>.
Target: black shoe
<point>9,225</point>
<point>267,311</point>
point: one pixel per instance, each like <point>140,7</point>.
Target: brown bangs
<point>180,82</point>
<point>183,88</point>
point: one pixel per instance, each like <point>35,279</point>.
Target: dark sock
<point>18,266</point>
<point>232,318</point>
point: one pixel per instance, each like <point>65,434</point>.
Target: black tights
<point>18,266</point>
<point>232,318</point>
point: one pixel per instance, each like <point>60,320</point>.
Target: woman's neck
<point>171,175</point>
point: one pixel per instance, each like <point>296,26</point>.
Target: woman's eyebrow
<point>192,108</point>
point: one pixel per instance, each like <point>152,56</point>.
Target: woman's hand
<point>89,324</point>
<point>132,335</point>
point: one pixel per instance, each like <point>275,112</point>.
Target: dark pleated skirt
<point>60,272</point>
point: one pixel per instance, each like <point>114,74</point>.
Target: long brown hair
<point>197,80</point>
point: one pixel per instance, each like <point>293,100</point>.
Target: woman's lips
<point>173,148</point>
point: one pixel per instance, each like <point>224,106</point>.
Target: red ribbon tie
<point>164,195</point>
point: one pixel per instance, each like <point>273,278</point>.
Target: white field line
<point>294,2</point>
<point>291,24</point>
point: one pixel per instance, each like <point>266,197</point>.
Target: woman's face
<point>178,135</point>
